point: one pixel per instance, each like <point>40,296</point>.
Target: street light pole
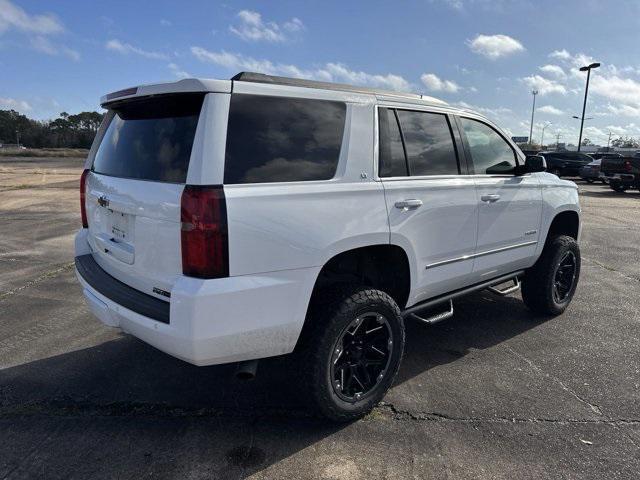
<point>587,69</point>
<point>533,110</point>
<point>542,137</point>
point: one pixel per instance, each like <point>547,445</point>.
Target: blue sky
<point>485,54</point>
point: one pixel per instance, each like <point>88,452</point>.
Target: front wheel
<point>549,285</point>
<point>354,346</point>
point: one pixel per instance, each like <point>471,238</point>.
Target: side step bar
<point>513,288</point>
<point>438,317</point>
<point>448,297</point>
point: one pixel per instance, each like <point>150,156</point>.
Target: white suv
<point>232,220</point>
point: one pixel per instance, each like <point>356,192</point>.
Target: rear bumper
<point>626,178</point>
<point>210,321</point>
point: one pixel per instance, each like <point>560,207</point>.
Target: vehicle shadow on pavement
<point>606,192</point>
<point>118,406</point>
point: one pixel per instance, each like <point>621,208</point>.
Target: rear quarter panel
<point>291,225</point>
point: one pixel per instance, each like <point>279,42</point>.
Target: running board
<point>437,317</point>
<point>461,292</point>
<point>514,288</point>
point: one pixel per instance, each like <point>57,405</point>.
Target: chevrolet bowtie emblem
<point>103,201</point>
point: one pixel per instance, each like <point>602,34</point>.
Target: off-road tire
<point>538,282</point>
<point>617,187</point>
<point>331,312</point>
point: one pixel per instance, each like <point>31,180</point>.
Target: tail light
<point>83,208</point>
<point>205,248</point>
<point>627,165</point>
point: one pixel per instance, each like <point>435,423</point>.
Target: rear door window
<point>392,159</point>
<point>428,142</point>
<point>490,152</point>
<point>150,138</point>
<point>282,139</point>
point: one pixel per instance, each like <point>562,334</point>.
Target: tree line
<point>66,131</point>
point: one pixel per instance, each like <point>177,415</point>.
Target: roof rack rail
<point>297,82</point>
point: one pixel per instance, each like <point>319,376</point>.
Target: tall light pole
<point>587,69</point>
<point>542,136</point>
<point>609,141</point>
<point>533,110</point>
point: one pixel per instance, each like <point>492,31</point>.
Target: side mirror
<point>532,164</point>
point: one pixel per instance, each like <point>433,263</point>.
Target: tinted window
<point>392,160</point>
<point>278,139</point>
<point>490,153</point>
<point>150,139</point>
<point>429,144</point>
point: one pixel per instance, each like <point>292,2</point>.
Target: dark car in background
<point>566,164</point>
<point>623,173</point>
<point>591,172</point>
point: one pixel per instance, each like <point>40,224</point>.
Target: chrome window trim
<point>480,254</point>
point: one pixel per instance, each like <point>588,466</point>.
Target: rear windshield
<point>279,139</point>
<point>150,139</point>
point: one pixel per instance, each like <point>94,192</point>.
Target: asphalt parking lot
<point>492,393</point>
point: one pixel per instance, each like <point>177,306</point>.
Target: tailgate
<point>134,231</point>
<point>134,189</point>
<point>612,165</point>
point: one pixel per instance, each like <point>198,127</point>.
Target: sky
<point>486,55</point>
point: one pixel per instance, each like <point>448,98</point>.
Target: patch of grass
<point>44,152</point>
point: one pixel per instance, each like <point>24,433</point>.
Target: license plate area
<point>120,226</point>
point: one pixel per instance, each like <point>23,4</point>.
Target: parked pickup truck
<point>233,220</point>
<point>622,173</point>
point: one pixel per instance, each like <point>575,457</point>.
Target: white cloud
<point>165,23</point>
<point>253,28</point>
<point>12,16</point>
<point>329,72</point>
<point>434,83</point>
<point>551,110</point>
<point>44,45</point>
<point>294,25</point>
<point>543,85</point>
<point>495,46</point>
<point>178,72</point>
<point>14,104</point>
<point>554,70</point>
<point>560,54</point>
<point>37,28</point>
<point>624,110</point>
<point>623,90</point>
<point>126,48</point>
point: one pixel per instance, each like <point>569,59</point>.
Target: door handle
<point>490,198</point>
<point>409,204</point>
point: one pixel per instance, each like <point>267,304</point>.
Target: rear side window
<point>429,144</point>
<point>392,159</point>
<point>280,139</point>
<point>150,139</point>
<point>490,153</point>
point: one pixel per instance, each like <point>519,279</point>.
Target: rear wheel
<point>617,186</point>
<point>556,171</point>
<point>550,284</point>
<point>354,346</point>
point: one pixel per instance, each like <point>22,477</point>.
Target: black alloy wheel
<point>361,356</point>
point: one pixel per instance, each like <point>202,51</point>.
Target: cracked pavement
<point>492,393</point>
